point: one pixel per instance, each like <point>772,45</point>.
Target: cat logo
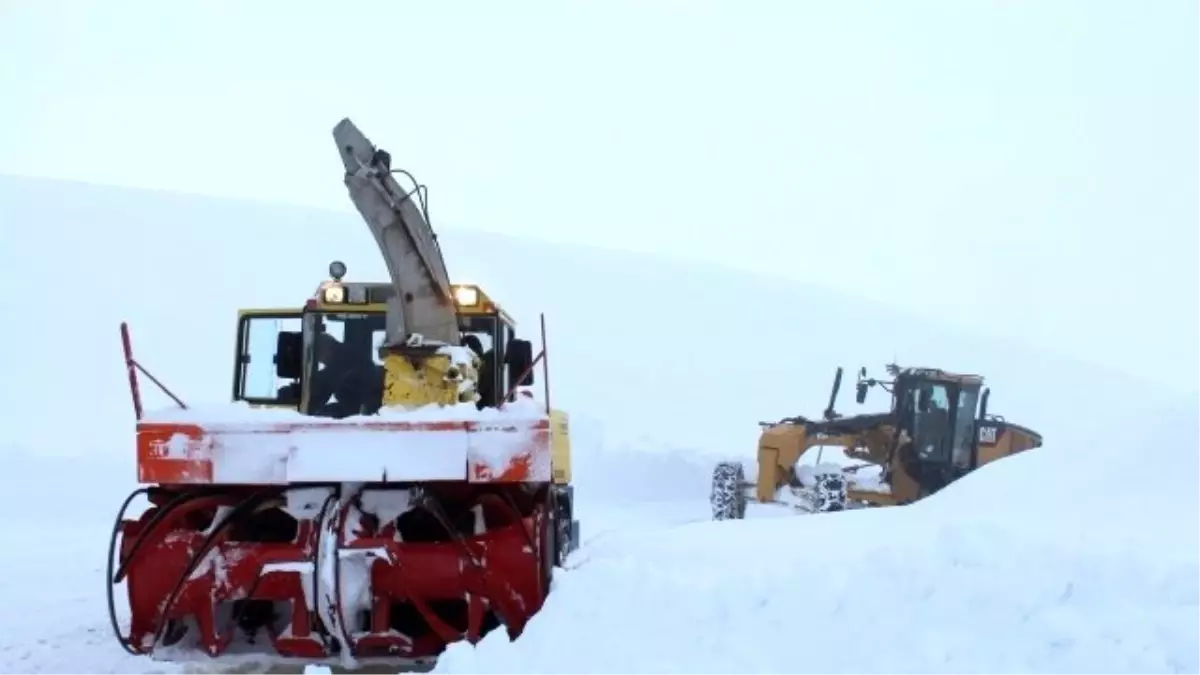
<point>987,435</point>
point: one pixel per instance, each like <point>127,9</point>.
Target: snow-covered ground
<point>1079,557</point>
<point>1037,564</point>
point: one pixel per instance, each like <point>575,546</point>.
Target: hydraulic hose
<point>115,577</point>
<point>125,642</point>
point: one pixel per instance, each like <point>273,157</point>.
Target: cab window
<point>932,422</point>
<point>479,333</point>
<point>964,426</point>
<point>346,373</point>
<point>257,375</point>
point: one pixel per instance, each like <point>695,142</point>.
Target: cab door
<point>930,415</point>
<point>268,360</point>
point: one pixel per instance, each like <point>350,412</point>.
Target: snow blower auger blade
<point>388,569</point>
<point>384,484</point>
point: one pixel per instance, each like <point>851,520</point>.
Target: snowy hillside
<point>625,329</point>
<point>1082,556</point>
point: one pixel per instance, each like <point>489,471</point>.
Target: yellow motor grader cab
<point>937,430</point>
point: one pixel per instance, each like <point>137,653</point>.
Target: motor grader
<point>383,484</point>
<point>937,430</point>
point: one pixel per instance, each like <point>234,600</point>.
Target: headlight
<point>466,295</point>
<point>335,294</point>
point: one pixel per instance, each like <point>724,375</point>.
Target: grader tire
<point>728,498</point>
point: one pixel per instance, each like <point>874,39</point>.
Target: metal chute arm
<point>423,302</point>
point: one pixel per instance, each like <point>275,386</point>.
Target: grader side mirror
<point>860,387</point>
<point>289,348</point>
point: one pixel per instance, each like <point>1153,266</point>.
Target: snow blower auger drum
<point>317,573</point>
<point>384,484</point>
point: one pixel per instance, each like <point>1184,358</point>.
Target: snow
<point>341,455</point>
<point>1081,556</point>
<point>307,502</point>
<point>278,446</point>
<point>1009,570</point>
<point>235,414</point>
<point>387,505</point>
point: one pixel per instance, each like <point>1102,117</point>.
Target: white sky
<point>1029,169</point>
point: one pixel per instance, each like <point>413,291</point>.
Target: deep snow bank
<point>669,354</point>
<point>1037,563</point>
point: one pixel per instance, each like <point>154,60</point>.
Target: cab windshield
<point>343,367</point>
<point>344,370</point>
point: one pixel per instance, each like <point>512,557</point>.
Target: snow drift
<point>688,356</point>
<point>1033,564</point>
<point>1081,556</point>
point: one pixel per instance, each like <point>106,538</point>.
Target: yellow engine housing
<point>415,380</point>
<point>560,446</point>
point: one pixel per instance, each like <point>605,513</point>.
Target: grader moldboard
<point>384,483</point>
<point>938,430</point>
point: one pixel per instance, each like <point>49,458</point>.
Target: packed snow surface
<point>1035,564</point>
<point>985,577</point>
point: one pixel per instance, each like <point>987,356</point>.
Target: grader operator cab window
<point>940,418</point>
<point>268,365</point>
<point>964,428</point>
<point>932,422</point>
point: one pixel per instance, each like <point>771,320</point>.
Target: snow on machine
<point>383,484</point>
<point>931,436</point>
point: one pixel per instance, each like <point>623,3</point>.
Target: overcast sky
<point>1029,169</point>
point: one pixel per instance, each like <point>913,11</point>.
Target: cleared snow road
<point>1041,563</point>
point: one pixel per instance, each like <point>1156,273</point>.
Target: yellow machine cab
<point>325,359</point>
